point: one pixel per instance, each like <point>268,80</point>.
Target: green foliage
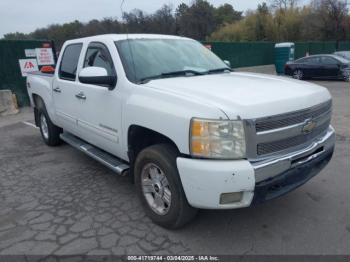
<point>225,14</point>
<point>281,20</point>
<point>197,20</point>
<point>15,36</point>
<point>285,21</point>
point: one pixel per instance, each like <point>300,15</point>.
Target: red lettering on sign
<point>28,65</point>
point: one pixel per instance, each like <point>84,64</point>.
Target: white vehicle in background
<point>191,133</point>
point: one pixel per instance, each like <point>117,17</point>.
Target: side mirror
<point>228,63</point>
<point>97,76</point>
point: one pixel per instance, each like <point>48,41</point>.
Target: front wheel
<point>347,77</point>
<point>159,187</point>
<point>298,74</point>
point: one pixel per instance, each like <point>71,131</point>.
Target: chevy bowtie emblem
<point>309,126</point>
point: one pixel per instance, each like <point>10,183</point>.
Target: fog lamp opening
<point>230,198</point>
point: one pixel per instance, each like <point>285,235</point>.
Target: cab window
<point>98,55</point>
<point>69,63</point>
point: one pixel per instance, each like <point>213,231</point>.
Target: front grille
<point>289,119</point>
<point>269,135</point>
<point>275,146</point>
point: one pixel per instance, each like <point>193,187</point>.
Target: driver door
<point>99,119</point>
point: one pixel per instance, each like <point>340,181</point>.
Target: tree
<point>225,14</point>
<point>196,21</point>
<point>256,26</point>
<point>284,4</point>
<point>135,21</point>
<point>280,20</point>
<point>263,23</point>
<point>331,16</point>
<point>181,14</point>
<point>16,36</point>
<point>163,21</point>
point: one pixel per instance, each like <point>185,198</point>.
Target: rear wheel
<point>49,132</point>
<point>298,74</point>
<point>160,188</point>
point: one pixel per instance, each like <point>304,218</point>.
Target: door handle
<point>57,90</point>
<point>80,96</point>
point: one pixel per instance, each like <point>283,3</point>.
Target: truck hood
<point>246,95</point>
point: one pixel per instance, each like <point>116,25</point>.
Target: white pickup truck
<point>191,133</point>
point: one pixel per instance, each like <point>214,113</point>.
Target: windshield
<point>158,58</point>
<point>343,56</point>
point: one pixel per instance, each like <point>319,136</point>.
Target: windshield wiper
<point>171,74</point>
<point>219,70</point>
<point>183,72</point>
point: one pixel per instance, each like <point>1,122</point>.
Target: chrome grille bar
<point>284,120</point>
<point>267,148</point>
<point>285,132</point>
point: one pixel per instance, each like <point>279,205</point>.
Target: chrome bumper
<point>272,167</point>
<point>279,176</point>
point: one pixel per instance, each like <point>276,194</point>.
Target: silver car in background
<point>344,54</point>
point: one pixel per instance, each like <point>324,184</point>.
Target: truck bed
<point>38,73</point>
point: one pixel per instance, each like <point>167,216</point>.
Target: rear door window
<point>301,60</point>
<point>312,60</point>
<point>69,63</point>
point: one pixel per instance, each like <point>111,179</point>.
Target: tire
<point>347,77</point>
<point>49,132</point>
<point>298,74</point>
<point>152,165</point>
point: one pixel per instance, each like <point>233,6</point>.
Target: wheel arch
<point>140,137</point>
<point>38,103</point>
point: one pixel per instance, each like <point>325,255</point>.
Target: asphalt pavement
<point>59,201</point>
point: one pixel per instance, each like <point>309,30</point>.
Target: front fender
<point>167,114</point>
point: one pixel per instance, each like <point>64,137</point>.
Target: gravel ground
<point>59,201</point>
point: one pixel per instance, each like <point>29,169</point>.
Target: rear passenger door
<point>64,88</point>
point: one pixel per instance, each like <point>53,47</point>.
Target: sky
<point>26,16</point>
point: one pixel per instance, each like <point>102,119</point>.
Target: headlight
<point>217,139</point>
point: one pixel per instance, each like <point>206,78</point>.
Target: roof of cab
<point>117,37</point>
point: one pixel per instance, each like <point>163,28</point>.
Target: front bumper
<point>205,180</point>
<point>346,72</point>
<point>290,179</point>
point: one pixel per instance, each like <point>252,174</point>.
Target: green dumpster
<point>284,52</point>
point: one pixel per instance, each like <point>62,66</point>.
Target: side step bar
<point>99,155</point>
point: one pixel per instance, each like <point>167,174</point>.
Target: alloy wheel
<point>347,77</point>
<point>155,188</point>
<point>44,126</point>
<point>298,74</point>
